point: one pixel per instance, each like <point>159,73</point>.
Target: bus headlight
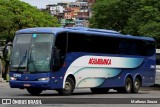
<point>43,79</point>
<point>13,78</point>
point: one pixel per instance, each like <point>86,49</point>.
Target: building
<point>82,18</point>
<point>68,13</point>
<point>63,4</point>
<point>73,4</point>
<point>90,3</point>
<point>56,10</point>
<point>67,23</point>
<point>81,23</point>
<point>75,10</point>
<point>84,6</point>
<point>50,8</point>
<point>82,15</point>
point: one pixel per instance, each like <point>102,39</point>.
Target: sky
<point>43,3</point>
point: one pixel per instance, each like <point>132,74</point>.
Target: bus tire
<point>69,87</point>
<point>34,91</point>
<point>136,86</point>
<point>128,85</point>
<point>99,90</point>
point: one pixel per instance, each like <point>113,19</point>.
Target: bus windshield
<point>32,53</point>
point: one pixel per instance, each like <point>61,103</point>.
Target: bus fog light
<point>13,78</point>
<point>43,79</point>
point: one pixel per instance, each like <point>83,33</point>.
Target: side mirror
<point>7,52</point>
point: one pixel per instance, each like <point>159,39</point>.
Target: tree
<point>112,14</point>
<point>135,17</point>
<point>5,20</point>
<point>15,15</point>
<point>146,20</point>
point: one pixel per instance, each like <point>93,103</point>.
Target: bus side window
<point>128,47</point>
<point>123,48</point>
<point>60,44</point>
<point>150,48</point>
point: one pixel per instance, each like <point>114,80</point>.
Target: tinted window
<point>91,43</point>
<point>110,45</point>
<point>128,47</point>
<point>136,47</point>
<point>150,48</point>
<point>60,45</point>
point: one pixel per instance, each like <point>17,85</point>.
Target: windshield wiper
<point>22,60</point>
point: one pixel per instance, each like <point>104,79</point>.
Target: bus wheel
<point>128,85</point>
<point>69,87</point>
<point>136,86</point>
<point>34,91</point>
<point>99,90</point>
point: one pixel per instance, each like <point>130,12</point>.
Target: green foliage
<point>112,14</point>
<point>136,17</point>
<point>15,15</point>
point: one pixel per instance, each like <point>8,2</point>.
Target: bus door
<point>59,55</point>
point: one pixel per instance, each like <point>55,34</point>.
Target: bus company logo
<point>99,61</point>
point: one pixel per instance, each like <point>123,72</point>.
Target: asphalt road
<point>84,96</point>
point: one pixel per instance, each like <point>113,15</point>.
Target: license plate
<point>27,85</point>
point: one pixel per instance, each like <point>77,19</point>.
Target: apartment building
<point>55,10</point>
<point>70,13</point>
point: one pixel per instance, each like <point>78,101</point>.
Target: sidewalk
<point>4,83</point>
<point>2,80</point>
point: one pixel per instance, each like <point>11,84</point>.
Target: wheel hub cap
<point>67,86</point>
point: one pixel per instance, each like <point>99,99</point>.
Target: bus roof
<point>56,30</point>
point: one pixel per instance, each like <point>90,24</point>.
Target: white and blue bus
<point>64,59</point>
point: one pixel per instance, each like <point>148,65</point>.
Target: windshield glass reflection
<point>32,52</point>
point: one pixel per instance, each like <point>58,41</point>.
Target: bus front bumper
<point>29,84</point>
